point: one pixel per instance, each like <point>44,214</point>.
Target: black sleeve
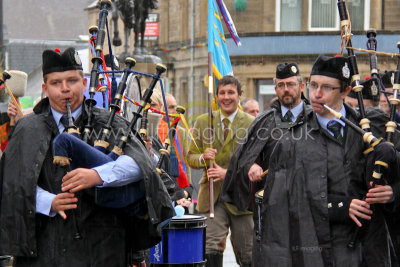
<point>189,190</point>
<point>4,117</point>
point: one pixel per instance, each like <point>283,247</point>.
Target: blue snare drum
<point>182,244</point>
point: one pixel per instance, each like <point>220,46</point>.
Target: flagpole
<point>210,128</point>
<point>191,85</point>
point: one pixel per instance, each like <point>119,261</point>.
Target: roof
<point>26,55</point>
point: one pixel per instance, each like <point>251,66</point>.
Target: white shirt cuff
<point>124,170</point>
<point>43,202</point>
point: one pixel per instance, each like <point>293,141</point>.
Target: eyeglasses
<point>289,85</point>
<point>312,86</point>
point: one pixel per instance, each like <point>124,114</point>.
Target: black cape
<point>261,138</point>
<point>24,160</point>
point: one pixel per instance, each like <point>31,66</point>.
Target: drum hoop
<point>185,226</point>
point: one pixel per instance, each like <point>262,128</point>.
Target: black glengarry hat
<point>334,67</point>
<point>55,61</point>
<point>286,70</point>
<point>369,91</point>
<point>388,79</point>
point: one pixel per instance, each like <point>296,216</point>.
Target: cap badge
<point>77,58</point>
<point>346,71</point>
<point>374,89</point>
<point>293,69</point>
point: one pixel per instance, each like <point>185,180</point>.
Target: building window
<point>265,93</point>
<point>358,15</point>
<point>324,15</point>
<point>288,15</point>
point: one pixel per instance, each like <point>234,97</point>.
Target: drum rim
<point>189,217</point>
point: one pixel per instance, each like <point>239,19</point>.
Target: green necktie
<point>335,128</point>
<point>226,123</point>
<point>289,116</point>
<point>64,122</point>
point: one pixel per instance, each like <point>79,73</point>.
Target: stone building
<point>271,31</point>
<point>31,26</point>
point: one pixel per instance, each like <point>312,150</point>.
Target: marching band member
<point>34,191</point>
<point>313,191</point>
<point>387,94</point>
<point>252,156</point>
<point>370,99</point>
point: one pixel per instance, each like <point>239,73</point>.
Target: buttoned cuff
<point>338,208</point>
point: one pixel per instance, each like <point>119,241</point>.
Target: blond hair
<point>156,97</point>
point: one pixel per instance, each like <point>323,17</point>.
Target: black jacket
<point>108,234</point>
<point>261,138</point>
<point>308,170</point>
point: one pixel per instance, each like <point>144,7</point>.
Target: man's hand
<point>149,145</point>
<point>218,173</point>
<point>12,112</point>
<point>184,202</point>
<point>380,194</point>
<point>209,154</point>
<point>361,209</point>
<point>62,202</point>
<point>255,173</point>
<point>80,179</point>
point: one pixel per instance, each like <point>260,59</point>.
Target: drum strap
<point>280,123</point>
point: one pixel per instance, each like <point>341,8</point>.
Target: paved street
<point>229,256</point>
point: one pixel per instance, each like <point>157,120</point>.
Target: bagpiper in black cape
<point>261,138</point>
<point>305,218</point>
<point>28,156</point>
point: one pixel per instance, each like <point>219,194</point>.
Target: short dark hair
<point>229,79</point>
<point>343,86</point>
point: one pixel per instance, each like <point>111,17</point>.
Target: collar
<point>296,111</point>
<point>230,117</point>
<point>323,122</point>
<point>57,116</point>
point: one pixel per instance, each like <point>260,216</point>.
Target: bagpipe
<point>394,101</point>
<point>379,155</point>
<point>365,130</point>
<point>346,36</point>
<point>372,45</point>
<point>97,60</point>
<point>173,188</point>
<point>74,150</point>
<point>70,150</point>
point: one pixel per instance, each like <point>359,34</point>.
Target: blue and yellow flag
<point>221,63</point>
<point>216,42</point>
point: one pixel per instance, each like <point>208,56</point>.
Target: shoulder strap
<point>282,124</point>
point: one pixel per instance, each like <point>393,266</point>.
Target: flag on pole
<point>216,43</point>
<point>229,22</point>
<point>221,63</point>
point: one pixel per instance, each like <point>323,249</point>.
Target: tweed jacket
<point>225,149</point>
